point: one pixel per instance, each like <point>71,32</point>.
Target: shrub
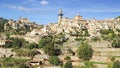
<point>68,65</point>
<point>54,60</point>
<point>116,64</point>
<point>67,58</point>
<point>85,51</point>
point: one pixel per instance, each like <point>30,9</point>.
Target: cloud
<point>17,7</point>
<point>43,2</point>
<point>27,9</point>
<point>21,8</point>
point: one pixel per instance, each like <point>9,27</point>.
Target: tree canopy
<point>54,60</point>
<point>85,51</point>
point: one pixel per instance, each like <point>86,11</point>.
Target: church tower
<point>60,16</point>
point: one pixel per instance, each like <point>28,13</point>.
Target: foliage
<point>85,51</point>
<point>116,43</point>
<point>23,66</point>
<point>112,58</point>
<point>106,32</point>
<point>2,23</point>
<point>88,65</point>
<point>44,41</point>
<point>49,49</point>
<point>54,60</point>
<point>109,65</point>
<point>71,51</point>
<point>95,38</point>
<point>25,52</point>
<point>81,32</point>
<point>116,64</point>
<point>14,43</point>
<point>86,33</point>
<point>60,38</point>
<point>80,39</point>
<point>12,61</point>
<point>68,65</point>
<point>32,45</point>
<point>67,58</point>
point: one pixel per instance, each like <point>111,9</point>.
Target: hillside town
<point>69,43</point>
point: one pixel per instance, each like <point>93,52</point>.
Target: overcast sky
<point>46,11</point>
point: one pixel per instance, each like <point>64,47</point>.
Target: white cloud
<point>21,8</point>
<point>43,2</point>
<point>27,9</point>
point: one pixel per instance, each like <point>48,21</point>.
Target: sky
<point>46,11</point>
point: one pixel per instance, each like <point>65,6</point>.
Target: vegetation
<point>116,64</point>
<point>116,43</point>
<point>2,23</point>
<point>23,66</point>
<point>12,62</point>
<point>68,65</point>
<point>44,41</point>
<point>32,46</point>
<point>49,49</point>
<point>54,60</point>
<point>95,38</point>
<point>108,35</point>
<point>67,58</point>
<point>85,51</point>
<point>80,39</point>
<point>25,52</point>
<point>71,51</point>
<point>81,32</point>
<point>60,39</point>
<point>14,43</point>
<point>88,65</point>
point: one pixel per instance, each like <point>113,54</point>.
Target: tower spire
<point>60,16</point>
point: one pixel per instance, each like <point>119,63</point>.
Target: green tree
<point>54,60</point>
<point>68,65</point>
<point>85,51</point>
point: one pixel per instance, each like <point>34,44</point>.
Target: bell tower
<point>60,16</point>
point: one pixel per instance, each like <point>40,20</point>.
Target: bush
<point>116,43</point>
<point>116,64</point>
<point>95,39</point>
<point>88,65</point>
<point>23,66</point>
<point>85,51</point>
<point>68,65</point>
<point>54,60</point>
<point>80,39</point>
<point>44,41</point>
<point>67,58</point>
<point>32,45</point>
